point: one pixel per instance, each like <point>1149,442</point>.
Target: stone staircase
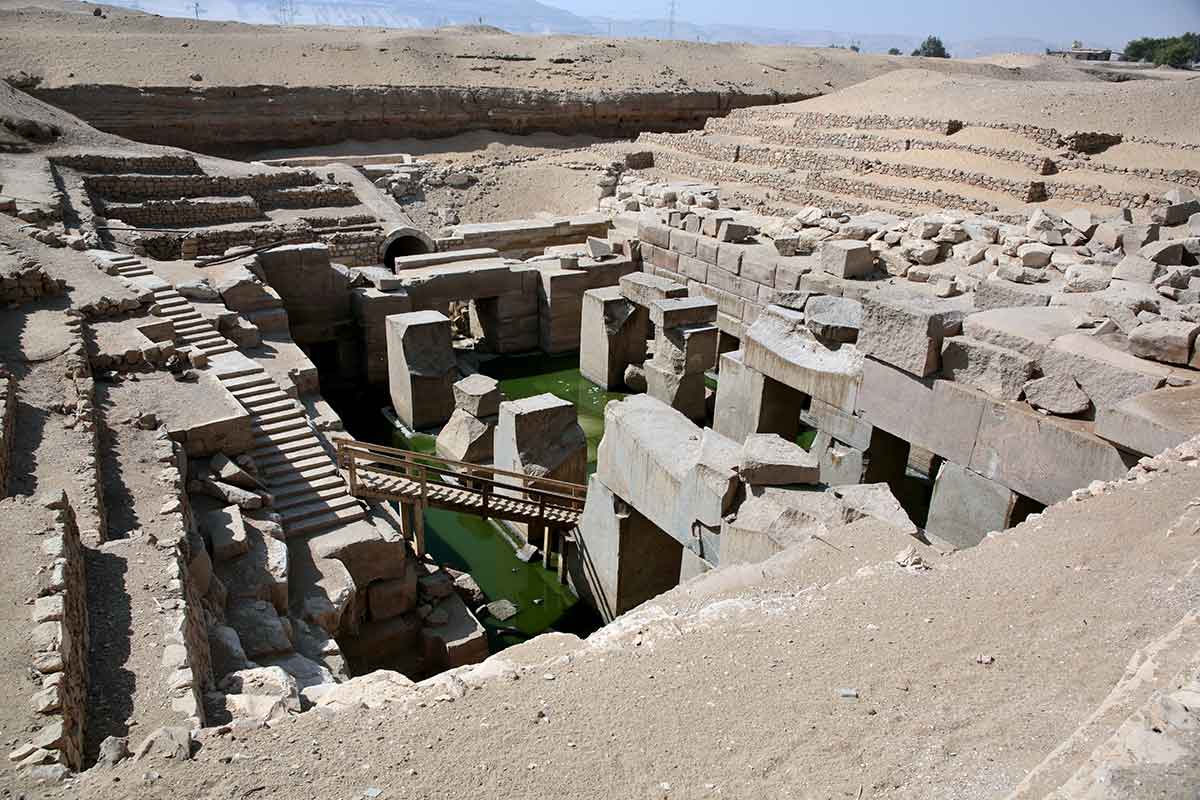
<point>308,492</point>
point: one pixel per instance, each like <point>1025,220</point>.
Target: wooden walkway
<point>424,481</point>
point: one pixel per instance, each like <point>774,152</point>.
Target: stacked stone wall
<point>8,408</point>
<point>23,280</point>
<point>321,195</point>
<point>187,659</point>
<point>131,188</point>
<point>166,164</point>
<point>168,246</point>
<point>60,643</point>
<point>354,248</point>
<point>191,211</point>
<point>79,406</point>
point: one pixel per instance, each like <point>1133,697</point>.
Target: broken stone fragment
<point>478,395</point>
<point>768,459</point>
<point>230,472</point>
<point>1057,394</point>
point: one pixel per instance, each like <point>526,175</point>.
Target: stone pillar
<point>540,436</point>
<point>750,402</point>
<point>622,559</point>
<point>421,368</point>
<point>685,346</point>
<point>966,506</point>
<point>469,433</point>
<point>613,333</point>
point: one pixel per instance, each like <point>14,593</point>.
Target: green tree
<point>1175,51</point>
<point>932,47</point>
<point>895,51</point>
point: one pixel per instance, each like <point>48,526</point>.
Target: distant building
<point>1082,54</point>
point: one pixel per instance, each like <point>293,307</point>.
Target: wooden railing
<point>446,483</point>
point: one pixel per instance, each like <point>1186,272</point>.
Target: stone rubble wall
<point>165,246</point>
<point>8,421</point>
<point>525,238</point>
<point>165,164</point>
<point>132,187</point>
<point>23,280</point>
<point>321,195</point>
<point>192,211</point>
<point>187,658</point>
<point>354,248</point>
<point>79,405</point>
<point>60,641</point>
<point>1029,191</point>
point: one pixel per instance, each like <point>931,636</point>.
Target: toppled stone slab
<point>1151,422</point>
<point>847,258</point>
<point>967,506</point>
<point>540,436</point>
<point>1028,331</point>
<point>643,289</point>
<point>467,438</point>
<point>997,371</point>
<point>259,628</point>
<point>1104,373</point>
<point>1168,341</point>
<point>421,367</point>
<point>874,500</point>
<point>905,329</point>
<point>835,319</point>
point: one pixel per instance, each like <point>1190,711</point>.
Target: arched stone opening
<point>404,242</point>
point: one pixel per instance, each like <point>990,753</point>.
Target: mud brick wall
<point>8,407</point>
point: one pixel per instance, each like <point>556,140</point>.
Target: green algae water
<point>479,546</point>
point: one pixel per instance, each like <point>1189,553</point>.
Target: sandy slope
<point>65,44</point>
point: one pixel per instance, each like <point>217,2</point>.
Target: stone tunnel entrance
<point>404,241</point>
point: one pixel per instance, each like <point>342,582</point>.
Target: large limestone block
<point>840,464</point>
<point>682,391</point>
<point>226,532</point>
<point>624,559</point>
<point>1058,394</point>
<point>1168,341</point>
<point>466,437</point>
<point>320,590</point>
<point>421,367</point>
<point>687,349</point>
<point>1000,293</point>
<point>874,500</point>
<point>835,319</point>
<point>749,402</point>
<point>966,506</point>
<point>1151,422</point>
<point>997,371</point>
<point>478,395</point>
<point>643,289</point>
<point>768,459</point>
<point>906,329</point>
<point>681,477</point>
<point>1027,330</point>
<point>370,553</point>
<point>1040,457</point>
<point>848,428</point>
<point>259,628</point>
<point>372,690</point>
<point>260,573</point>
<point>241,290</point>
<point>1106,375</point>
<point>540,436</point>
<point>613,335</point>
<point>458,641</point>
<point>393,597</point>
<point>780,346</point>
<point>847,258</point>
<point>678,311</point>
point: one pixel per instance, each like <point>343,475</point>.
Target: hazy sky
<point>1111,21</point>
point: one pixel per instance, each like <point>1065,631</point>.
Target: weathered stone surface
<point>260,572</point>
<point>467,438</point>
<point>749,402</point>
<point>1105,374</point>
<point>643,289</point>
<point>780,346</point>
<point>1168,341</point>
<point>373,690</point>
<point>228,471</point>
<point>873,500</point>
<point>1168,253</point>
<point>393,597</point>
<point>999,293</point>
<point>966,506</point>
<point>1028,331</point>
<point>847,258</point>
<point>997,371</point>
<point>836,319</point>
<point>1058,394</point>
<point>540,436</point>
<point>1151,422</point>
<point>172,743</point>
<point>613,336</point>
<point>682,391</point>
<point>271,681</point>
<point>905,329</point>
<point>840,464</point>
<point>368,551</point>
<point>421,367</point>
<point>687,349</point>
<point>624,558</point>
<point>478,395</point>
<point>1040,457</point>
<point>1138,270</point>
<point>226,649</point>
<point>226,531</point>
<point>672,471</point>
<point>768,459</point>
<point>848,428</point>
<point>678,311</point>
<point>772,519</point>
<point>259,628</point>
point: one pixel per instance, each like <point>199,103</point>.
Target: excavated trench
<point>237,121</point>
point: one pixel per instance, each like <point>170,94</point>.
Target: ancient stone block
<point>1151,422</point>
<point>905,329</point>
<point>540,436</point>
<point>466,437</point>
<point>643,289</point>
<point>1168,341</point>
<point>478,395</point>
<point>847,258</point>
<point>421,368</point>
<point>767,459</point>
<point>749,402</point>
<point>966,506</point>
<point>835,319</point>
<point>682,391</point>
<point>997,371</point>
<point>674,312</point>
<point>612,336</point>
<point>1106,375</point>
<point>780,346</point>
